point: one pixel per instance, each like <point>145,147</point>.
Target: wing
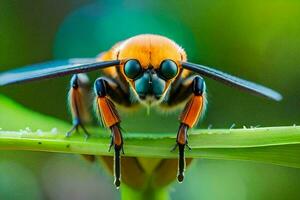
<point>53,69</point>
<point>233,81</point>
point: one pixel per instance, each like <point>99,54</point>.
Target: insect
<point>148,70</point>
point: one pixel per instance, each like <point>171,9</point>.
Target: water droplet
<point>23,131</point>
<point>28,129</point>
<point>54,131</point>
<point>232,126</point>
<point>39,132</point>
<point>209,126</point>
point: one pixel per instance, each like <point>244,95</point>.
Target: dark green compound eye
<point>168,69</point>
<point>132,69</point>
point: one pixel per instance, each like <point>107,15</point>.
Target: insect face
<point>150,84</point>
<point>149,64</point>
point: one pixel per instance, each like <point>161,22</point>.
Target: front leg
<point>194,89</point>
<point>109,117</point>
<point>79,102</point>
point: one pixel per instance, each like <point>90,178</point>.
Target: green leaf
<point>276,145</point>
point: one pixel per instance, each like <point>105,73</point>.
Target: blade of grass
<point>276,145</point>
<point>284,152</point>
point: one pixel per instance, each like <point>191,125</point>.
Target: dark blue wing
<point>233,81</point>
<point>53,69</point>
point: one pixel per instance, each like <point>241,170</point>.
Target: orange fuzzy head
<point>150,50</point>
<point>150,63</point>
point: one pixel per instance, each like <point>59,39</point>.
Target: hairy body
<point>150,51</point>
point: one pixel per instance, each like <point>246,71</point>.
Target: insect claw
<point>86,133</point>
<point>75,128</point>
<point>188,147</point>
<point>122,149</point>
<point>117,183</point>
<point>86,137</point>
<point>180,178</point>
<point>174,148</point>
<point>68,134</point>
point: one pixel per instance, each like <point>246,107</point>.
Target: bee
<point>149,70</point>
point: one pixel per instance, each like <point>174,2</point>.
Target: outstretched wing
<point>53,69</point>
<point>232,80</point>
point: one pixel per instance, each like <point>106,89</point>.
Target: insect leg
<point>79,98</point>
<point>194,89</point>
<point>110,119</point>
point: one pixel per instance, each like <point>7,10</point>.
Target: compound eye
<point>168,69</point>
<point>132,69</point>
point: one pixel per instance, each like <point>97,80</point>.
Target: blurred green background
<point>257,40</point>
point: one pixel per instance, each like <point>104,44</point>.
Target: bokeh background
<point>257,40</point>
